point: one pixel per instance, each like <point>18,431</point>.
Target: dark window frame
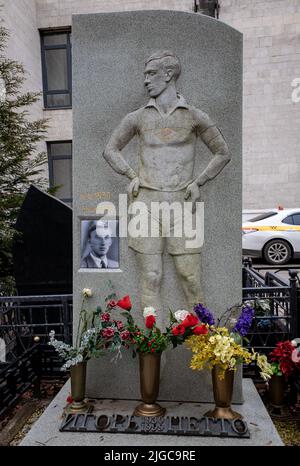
<point>68,48</point>
<point>52,157</point>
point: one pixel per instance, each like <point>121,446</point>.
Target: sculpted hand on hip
<point>133,188</point>
<point>192,194</point>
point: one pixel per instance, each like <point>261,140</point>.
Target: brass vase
<point>78,380</point>
<point>149,385</point>
<point>223,390</point>
<point>276,391</point>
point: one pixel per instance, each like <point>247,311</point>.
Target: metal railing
<point>24,317</point>
<point>277,305</point>
<point>19,376</point>
<point>24,320</point>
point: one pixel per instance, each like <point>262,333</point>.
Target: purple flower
<point>204,315</point>
<point>245,321</point>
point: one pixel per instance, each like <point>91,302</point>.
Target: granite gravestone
<point>109,55</point>
<point>42,251</point>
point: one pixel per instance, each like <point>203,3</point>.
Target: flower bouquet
<point>285,364</point>
<point>149,343</point>
<point>147,339</point>
<point>220,350</point>
<point>97,333</point>
<point>150,339</point>
<point>284,359</point>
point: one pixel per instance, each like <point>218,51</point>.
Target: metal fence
<point>277,305</point>
<point>18,376</point>
<point>23,318</point>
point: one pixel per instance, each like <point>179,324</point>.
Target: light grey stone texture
<point>109,52</point>
<point>46,430</point>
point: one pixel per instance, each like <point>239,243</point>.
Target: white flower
<point>295,342</point>
<point>181,314</point>
<point>149,311</point>
<point>87,292</point>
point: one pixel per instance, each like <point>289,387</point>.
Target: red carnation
<point>190,321</point>
<point>69,399</point>
<point>119,325</point>
<point>112,303</point>
<point>200,330</point>
<point>105,317</point>
<point>150,321</point>
<point>124,335</point>
<point>125,303</point>
<point>108,332</point>
<point>178,330</point>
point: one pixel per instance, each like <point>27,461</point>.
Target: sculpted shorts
<point>157,221</point>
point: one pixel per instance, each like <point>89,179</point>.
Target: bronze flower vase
<point>149,385</point>
<point>276,391</point>
<point>78,380</point>
<point>223,390</point>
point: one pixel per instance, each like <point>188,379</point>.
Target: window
<point>292,219</point>
<point>57,69</point>
<point>289,220</point>
<point>263,216</point>
<point>60,169</point>
<point>296,219</point>
<point>207,7</point>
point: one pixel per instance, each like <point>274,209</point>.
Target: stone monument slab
<point>109,55</point>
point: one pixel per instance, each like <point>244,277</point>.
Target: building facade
<point>41,39</point>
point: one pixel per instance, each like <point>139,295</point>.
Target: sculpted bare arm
<point>120,137</point>
<point>214,140</point>
<point>212,137</point>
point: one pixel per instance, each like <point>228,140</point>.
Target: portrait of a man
<point>99,244</point>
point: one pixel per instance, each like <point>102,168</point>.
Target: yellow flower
<point>265,368</point>
<point>218,349</point>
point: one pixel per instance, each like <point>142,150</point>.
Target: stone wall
<point>53,13</point>
<point>271,31</point>
<point>23,45</point>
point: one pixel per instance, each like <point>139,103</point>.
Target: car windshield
<point>262,216</point>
